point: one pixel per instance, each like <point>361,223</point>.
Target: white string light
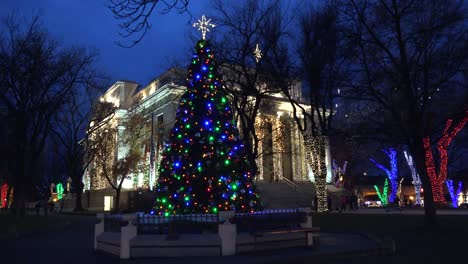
<point>257,53</point>
<point>204,25</point>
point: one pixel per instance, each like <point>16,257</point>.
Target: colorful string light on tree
<point>454,194</point>
<point>59,191</point>
<point>437,180</point>
<point>204,168</point>
<point>338,173</point>
<point>3,197</point>
<point>383,196</point>
<point>416,180</point>
<point>392,173</point>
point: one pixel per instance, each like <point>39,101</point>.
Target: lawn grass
<point>11,226</point>
<point>413,242</point>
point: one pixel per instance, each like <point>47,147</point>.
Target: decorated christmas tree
<point>204,168</point>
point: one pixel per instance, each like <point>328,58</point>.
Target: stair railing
<point>291,184</point>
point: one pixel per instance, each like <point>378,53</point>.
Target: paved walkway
<point>405,211</point>
<point>74,245</point>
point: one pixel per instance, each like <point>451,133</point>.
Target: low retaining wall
<point>109,242</point>
<point>129,244</point>
<point>245,242</point>
<point>185,245</point>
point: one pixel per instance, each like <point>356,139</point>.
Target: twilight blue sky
<point>89,23</point>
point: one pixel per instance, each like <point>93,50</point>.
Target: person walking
<point>37,206</point>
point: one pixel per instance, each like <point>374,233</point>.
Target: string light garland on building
<point>383,196</point>
<point>392,173</point>
<point>454,194</point>
<point>437,180</point>
<point>416,180</point>
<point>204,167</point>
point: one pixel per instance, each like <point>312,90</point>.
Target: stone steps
<point>281,195</point>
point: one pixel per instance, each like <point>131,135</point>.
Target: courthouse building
<point>281,148</point>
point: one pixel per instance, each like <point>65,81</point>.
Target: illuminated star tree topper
<point>204,25</point>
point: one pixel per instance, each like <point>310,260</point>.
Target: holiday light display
<point>69,181</point>
<point>277,147</point>
<point>383,196</point>
<point>416,180</point>
<point>60,190</point>
<point>338,172</point>
<point>392,173</point>
<point>204,168</point>
<point>437,180</point>
<point>152,166</point>
<point>454,194</point>
<point>3,196</point>
<point>204,26</point>
<point>257,53</point>
<point>399,188</point>
<point>315,156</point>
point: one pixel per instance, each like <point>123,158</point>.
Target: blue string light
<point>454,195</point>
<point>392,174</point>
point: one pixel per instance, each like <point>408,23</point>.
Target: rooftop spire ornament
<point>204,25</point>
<point>257,53</point>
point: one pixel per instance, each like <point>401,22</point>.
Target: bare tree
<point>324,69</point>
<point>410,57</point>
<point>108,141</point>
<point>73,125</point>
<point>37,75</point>
<point>135,15</point>
<point>244,26</point>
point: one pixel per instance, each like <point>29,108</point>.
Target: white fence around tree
<point>226,233</point>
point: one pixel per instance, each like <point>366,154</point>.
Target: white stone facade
<point>281,147</point>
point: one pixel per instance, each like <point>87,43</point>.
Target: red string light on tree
<point>4,190</point>
<point>437,180</point>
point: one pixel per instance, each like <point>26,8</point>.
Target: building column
<point>277,149</point>
<point>304,164</point>
<point>259,160</point>
<point>298,151</point>
<point>328,161</point>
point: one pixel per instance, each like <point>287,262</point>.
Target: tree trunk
<point>117,200</point>
<point>436,180</point>
<point>316,155</point>
<point>19,201</point>
<point>78,192</point>
<point>8,195</point>
<point>430,217</point>
<point>321,180</point>
<point>22,171</point>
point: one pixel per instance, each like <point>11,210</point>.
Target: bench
<point>306,231</point>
